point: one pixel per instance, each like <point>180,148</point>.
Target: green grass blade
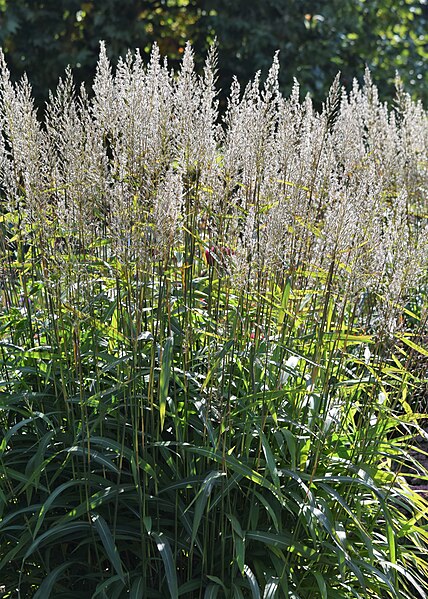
<point>201,500</point>
<point>165,375</point>
<point>237,592</point>
<point>108,543</point>
<point>96,456</point>
<point>270,460</point>
<point>211,591</point>
<point>115,585</point>
<point>218,582</point>
<point>271,589</point>
<point>254,587</point>
<point>321,585</point>
<point>238,541</point>
<point>282,541</point>
<point>186,589</point>
<point>137,589</point>
<point>236,466</point>
<point>164,549</point>
<point>45,589</point>
<point>49,501</point>
<point>58,532</point>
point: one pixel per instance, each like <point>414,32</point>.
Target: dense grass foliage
<point>211,340</point>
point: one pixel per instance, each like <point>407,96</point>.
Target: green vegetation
<point>316,39</point>
<point>211,340</point>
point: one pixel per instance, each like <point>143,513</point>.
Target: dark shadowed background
<point>315,38</point>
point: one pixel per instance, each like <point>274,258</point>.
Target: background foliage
<point>316,39</point>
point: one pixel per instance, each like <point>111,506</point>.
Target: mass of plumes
<point>282,188</point>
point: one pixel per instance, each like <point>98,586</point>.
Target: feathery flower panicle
<point>77,163</point>
<point>23,144</point>
<point>168,211</point>
<point>244,260</point>
<point>104,105</point>
<point>146,162</point>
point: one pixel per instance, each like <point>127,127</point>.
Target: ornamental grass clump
<point>212,339</point>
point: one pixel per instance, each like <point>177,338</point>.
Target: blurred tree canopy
<point>316,38</point>
<point>41,37</point>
